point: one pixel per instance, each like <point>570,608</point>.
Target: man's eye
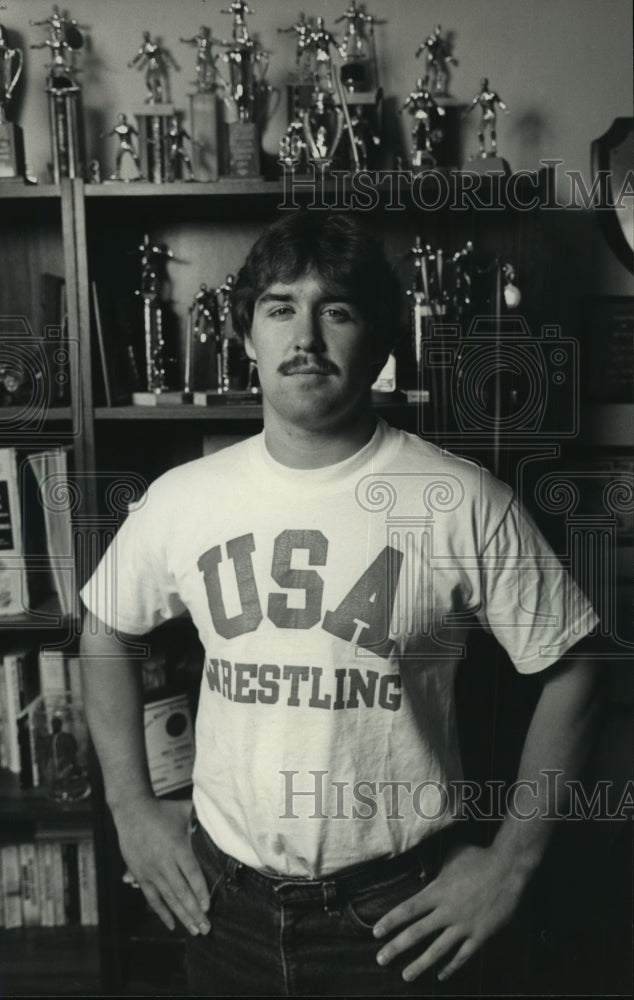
<point>337,314</point>
<point>280,311</point>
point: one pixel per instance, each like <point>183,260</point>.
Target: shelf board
<point>221,188</point>
<point>247,411</point>
<point>53,414</point>
<point>9,189</point>
<point>235,411</point>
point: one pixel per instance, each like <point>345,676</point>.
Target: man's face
<point>314,353</point>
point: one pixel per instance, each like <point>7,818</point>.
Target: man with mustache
<point>333,567</point>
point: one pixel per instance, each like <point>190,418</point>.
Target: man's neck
<point>309,448</point>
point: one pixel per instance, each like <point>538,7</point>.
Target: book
<point>14,594</point>
<point>29,885</point>
<point>47,884</point>
<point>87,883</point>
<point>19,690</point>
<point>11,888</point>
<point>50,504</point>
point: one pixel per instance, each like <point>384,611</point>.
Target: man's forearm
<point>559,738</point>
<point>114,709</point>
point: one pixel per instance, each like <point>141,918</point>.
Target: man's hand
<point>474,895</point>
<point>154,842</point>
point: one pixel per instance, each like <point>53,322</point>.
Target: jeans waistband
<point>425,858</point>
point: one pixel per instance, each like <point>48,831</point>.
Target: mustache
<point>321,365</point>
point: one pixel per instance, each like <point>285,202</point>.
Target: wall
<point>562,66</point>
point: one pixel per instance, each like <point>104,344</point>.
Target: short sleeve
<point>529,600</point>
<point>132,589</point>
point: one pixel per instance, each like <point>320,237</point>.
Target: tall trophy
<point>437,50</point>
<point>203,105</point>
<point>156,120</point>
<point>64,94</point>
<point>245,95</point>
<point>11,138</point>
<point>153,258</point>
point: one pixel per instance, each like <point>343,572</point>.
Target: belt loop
<point>330,899</point>
<point>232,870</point>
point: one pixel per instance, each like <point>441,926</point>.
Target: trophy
<point>125,134</point>
<point>487,161</point>
<point>203,105</point>
<point>64,94</point>
<point>214,356</point>
<point>438,49</point>
<point>154,123</point>
<point>323,127</point>
<point>358,52</point>
<point>243,99</point>
<point>152,260</point>
<point>11,138</point>
<point>439,57</point>
<point>426,128</point>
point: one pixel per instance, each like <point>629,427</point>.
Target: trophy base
<point>11,152</point>
<point>487,165</point>
<point>242,142</point>
<point>203,108</point>
<point>231,397</point>
<point>170,397</point>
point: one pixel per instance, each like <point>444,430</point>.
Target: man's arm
<point>479,889</point>
<point>153,834</point>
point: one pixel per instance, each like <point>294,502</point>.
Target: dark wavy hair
<point>340,252</point>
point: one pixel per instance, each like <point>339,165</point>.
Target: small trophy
<point>203,105</point>
<point>154,123</point>
<point>125,133</point>
<point>152,259</point>
<point>487,161</point>
<point>323,127</point>
<point>439,57</point>
<point>64,95</point>
<point>11,138</point>
<point>358,52</point>
<point>426,124</point>
<point>243,100</point>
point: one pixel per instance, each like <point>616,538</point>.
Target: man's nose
<point>307,333</point>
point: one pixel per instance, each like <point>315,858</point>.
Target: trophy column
<point>65,117</point>
<point>203,109</point>
<point>154,123</point>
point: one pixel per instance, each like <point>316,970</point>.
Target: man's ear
<point>249,349</point>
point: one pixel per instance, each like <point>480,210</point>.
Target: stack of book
<point>49,881</point>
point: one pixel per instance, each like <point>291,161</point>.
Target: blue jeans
<point>276,936</point>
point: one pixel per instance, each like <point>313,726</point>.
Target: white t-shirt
<point>333,605</point>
